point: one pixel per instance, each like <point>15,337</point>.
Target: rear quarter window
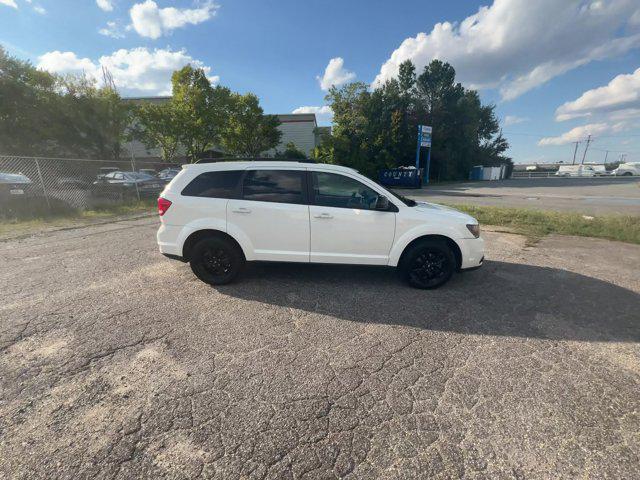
<point>219,184</point>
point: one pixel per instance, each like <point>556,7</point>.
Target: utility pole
<point>574,153</point>
<point>586,148</point>
<point>605,156</point>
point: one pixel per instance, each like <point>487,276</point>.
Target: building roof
<point>297,117</point>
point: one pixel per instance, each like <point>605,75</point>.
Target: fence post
<point>133,169</point>
<point>44,189</point>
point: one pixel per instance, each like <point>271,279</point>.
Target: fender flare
<point>418,232</point>
<point>217,225</point>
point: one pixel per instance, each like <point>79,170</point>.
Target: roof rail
<point>250,159</point>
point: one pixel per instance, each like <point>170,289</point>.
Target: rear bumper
<point>167,237</point>
<point>472,250</point>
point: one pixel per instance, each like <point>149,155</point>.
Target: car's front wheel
<point>428,264</point>
<point>216,261</point>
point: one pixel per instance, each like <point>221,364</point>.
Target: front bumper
<point>472,250</point>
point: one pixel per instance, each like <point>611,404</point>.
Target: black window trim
<point>393,208</point>
<point>304,190</point>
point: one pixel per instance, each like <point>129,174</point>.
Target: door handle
<point>241,210</point>
<point>323,215</point>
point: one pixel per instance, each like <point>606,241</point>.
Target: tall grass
<point>537,223</point>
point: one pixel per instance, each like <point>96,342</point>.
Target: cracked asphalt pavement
<point>118,363</point>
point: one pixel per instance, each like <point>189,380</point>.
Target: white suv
<point>219,215</point>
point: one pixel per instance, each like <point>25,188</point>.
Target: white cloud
<point>151,21</point>
<point>335,74</point>
<point>135,71</point>
<point>580,133</point>
<point>9,3</point>
<point>513,120</point>
<point>517,45</point>
<point>66,62</point>
<point>622,94</point>
<point>112,30</point>
<point>39,9</point>
<point>324,113</point>
<point>106,5</point>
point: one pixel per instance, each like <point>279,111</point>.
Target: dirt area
<point>118,363</point>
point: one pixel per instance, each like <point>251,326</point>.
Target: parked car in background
<point>217,216</point>
<point>627,169</point>
<point>577,171</point>
<point>127,184</point>
<point>102,171</point>
<point>168,173</point>
<point>71,183</point>
<point>15,186</point>
<point>149,171</point>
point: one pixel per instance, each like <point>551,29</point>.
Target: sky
<point>556,70</point>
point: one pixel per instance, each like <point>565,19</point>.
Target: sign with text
<point>424,135</point>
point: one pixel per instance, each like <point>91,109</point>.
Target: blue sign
<point>424,135</point>
<point>424,140</point>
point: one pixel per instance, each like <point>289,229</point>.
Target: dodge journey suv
<point>217,216</point>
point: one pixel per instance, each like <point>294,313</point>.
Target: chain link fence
<point>42,186</point>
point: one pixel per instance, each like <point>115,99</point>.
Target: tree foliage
<point>378,129</point>
<point>158,126</point>
<point>200,117</point>
<point>46,114</point>
<point>291,152</point>
<point>249,131</point>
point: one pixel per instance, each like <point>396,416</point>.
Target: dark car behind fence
<point>43,186</point>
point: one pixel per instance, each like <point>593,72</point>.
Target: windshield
<point>407,201</point>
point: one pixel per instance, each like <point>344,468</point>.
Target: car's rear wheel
<point>216,261</point>
<point>627,174</point>
<point>428,264</point>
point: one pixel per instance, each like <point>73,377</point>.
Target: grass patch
<point>57,218</point>
<point>537,223</point>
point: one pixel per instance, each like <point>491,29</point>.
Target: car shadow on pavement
<point>504,299</point>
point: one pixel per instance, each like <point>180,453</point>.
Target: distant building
<point>300,129</point>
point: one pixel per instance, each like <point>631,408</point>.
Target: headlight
<point>474,229</point>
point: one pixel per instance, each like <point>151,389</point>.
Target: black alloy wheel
<point>428,264</point>
<point>216,260</point>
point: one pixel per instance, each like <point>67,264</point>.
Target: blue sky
<point>556,70</point>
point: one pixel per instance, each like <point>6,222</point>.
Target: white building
<point>301,129</point>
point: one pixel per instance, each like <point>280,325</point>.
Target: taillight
<point>163,205</point>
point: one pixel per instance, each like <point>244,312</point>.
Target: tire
<point>627,174</point>
<point>216,261</point>
<point>428,264</point>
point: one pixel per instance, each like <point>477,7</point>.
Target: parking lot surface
<point>118,363</point>
<point>592,196</point>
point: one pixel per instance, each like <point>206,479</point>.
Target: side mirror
<point>382,203</point>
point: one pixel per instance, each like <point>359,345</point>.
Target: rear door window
<point>281,186</point>
<point>219,184</point>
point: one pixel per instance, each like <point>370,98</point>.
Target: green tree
<point>377,129</point>
<point>249,131</point>
<point>291,152</point>
<point>43,114</point>
<point>202,110</point>
<point>158,126</point>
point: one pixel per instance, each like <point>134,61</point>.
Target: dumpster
<point>407,177</point>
